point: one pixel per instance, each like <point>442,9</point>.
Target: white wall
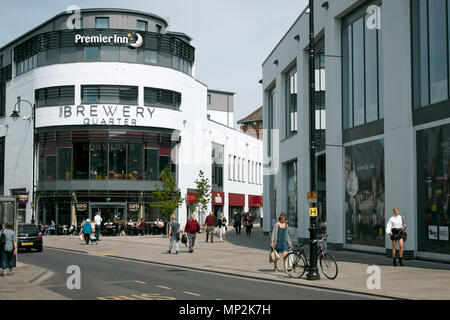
<point>197,133</point>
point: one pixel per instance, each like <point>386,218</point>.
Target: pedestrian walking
<point>87,230</point>
<point>395,228</point>
<point>210,223</point>
<point>237,222</point>
<point>9,249</point>
<point>98,225</point>
<point>191,228</point>
<point>281,241</point>
<point>248,221</point>
<point>174,234</point>
<point>222,224</point>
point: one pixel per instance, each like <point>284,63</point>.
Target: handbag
<point>404,234</point>
<point>273,255</point>
<point>184,239</point>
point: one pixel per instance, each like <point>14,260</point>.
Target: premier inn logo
<point>133,40</point>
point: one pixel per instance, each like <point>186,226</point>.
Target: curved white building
<point>116,101</point>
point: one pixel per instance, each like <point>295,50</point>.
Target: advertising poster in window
<point>364,194</point>
<point>433,189</point>
<point>292,195</point>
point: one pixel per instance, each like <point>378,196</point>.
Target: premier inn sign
<point>133,40</point>
<point>108,115</point>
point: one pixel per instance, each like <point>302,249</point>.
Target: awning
<point>255,201</point>
<point>236,200</point>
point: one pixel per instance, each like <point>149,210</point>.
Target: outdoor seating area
<point>109,229</point>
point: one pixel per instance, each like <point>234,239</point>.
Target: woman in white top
<point>395,228</point>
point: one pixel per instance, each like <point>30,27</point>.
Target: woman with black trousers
<point>248,221</point>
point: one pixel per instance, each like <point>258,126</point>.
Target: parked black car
<point>29,237</point>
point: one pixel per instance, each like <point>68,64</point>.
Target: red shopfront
<point>218,201</point>
<point>254,205</point>
<point>236,203</point>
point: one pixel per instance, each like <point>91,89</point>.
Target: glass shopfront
<point>433,189</point>
<point>364,194</point>
<point>66,208</point>
<point>103,155</point>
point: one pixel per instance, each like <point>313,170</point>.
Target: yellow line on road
<point>54,286</point>
<point>125,281</point>
<point>192,293</point>
<point>163,287</point>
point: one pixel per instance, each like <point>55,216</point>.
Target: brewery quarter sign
<point>106,114</point>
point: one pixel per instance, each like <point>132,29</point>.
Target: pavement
<point>247,257</point>
<point>23,285</point>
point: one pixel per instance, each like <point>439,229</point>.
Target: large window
<point>292,194</point>
<point>217,160</point>
<point>102,23</point>
<point>291,102</point>
<point>103,155</point>
<point>55,96</point>
<point>272,121</point>
<point>162,98</point>
<point>109,95</point>
<point>362,87</point>
<point>99,161</point>
<point>56,47</point>
<point>430,51</point>
<point>433,189</point>
<point>117,161</point>
<point>364,194</point>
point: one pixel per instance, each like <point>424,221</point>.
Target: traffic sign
<point>312,195</point>
<point>313,212</point>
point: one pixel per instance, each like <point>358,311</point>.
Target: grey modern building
<point>382,123</point>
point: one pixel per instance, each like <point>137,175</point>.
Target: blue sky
<point>232,38</point>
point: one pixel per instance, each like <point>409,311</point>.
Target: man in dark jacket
<point>237,222</point>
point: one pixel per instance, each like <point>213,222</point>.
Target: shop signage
<point>134,207</point>
<point>432,232</point>
<point>133,40</point>
<point>218,198</point>
<point>191,198</point>
<point>107,115</point>
<point>81,207</point>
<point>443,233</point>
<point>22,197</point>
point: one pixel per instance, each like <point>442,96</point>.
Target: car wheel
<point>39,249</point>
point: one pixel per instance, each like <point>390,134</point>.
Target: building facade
<point>382,124</point>
<point>116,101</point>
<point>253,124</point>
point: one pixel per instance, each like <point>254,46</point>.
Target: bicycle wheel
<point>296,265</point>
<point>328,265</point>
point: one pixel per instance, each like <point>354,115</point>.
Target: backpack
<point>2,240</point>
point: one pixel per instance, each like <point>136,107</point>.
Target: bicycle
<point>298,263</point>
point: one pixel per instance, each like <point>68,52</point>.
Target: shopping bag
<point>82,236</point>
<point>273,255</point>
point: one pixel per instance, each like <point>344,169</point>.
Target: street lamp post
<point>15,116</point>
<point>313,273</point>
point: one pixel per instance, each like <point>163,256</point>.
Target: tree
<point>167,196</point>
<point>203,193</point>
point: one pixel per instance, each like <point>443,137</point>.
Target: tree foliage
<point>167,195</point>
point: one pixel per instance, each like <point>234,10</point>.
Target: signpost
<point>313,272</point>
